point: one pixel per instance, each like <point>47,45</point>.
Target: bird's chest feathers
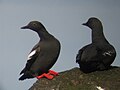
<point>48,46</point>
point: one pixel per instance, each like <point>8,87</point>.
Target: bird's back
<point>88,60</point>
<point>92,58</point>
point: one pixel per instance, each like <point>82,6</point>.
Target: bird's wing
<point>87,54</point>
<point>31,58</point>
<point>34,52</point>
<point>108,52</point>
<point>78,57</point>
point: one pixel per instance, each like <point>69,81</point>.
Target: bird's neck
<point>98,36</point>
<point>44,35</point>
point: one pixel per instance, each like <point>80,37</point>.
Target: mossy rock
<point>75,79</point>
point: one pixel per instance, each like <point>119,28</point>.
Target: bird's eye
<point>34,24</point>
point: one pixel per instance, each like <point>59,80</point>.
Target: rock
<point>74,79</point>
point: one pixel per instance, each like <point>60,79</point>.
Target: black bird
<point>43,55</point>
<point>98,55</point>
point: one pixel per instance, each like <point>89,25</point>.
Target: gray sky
<point>63,19</point>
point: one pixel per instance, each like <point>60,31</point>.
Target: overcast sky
<point>63,19</point>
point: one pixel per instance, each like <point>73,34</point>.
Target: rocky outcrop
<point>75,79</point>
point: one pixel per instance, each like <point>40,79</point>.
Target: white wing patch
<point>31,54</point>
<point>109,53</point>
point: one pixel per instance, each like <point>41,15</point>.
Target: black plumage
<point>98,55</point>
<point>43,55</point>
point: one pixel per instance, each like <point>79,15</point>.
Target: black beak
<point>25,27</point>
<point>85,24</point>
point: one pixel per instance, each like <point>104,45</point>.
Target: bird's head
<point>34,25</point>
<point>93,23</point>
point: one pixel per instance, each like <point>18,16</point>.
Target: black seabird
<point>98,55</point>
<point>43,55</point>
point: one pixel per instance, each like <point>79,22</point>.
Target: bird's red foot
<point>53,73</point>
<point>47,75</point>
<point>50,75</point>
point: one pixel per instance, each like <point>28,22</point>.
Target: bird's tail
<point>26,75</point>
<point>23,71</point>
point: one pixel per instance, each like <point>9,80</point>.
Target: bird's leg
<point>53,73</point>
<point>47,75</point>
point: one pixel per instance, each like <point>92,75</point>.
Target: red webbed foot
<point>53,73</point>
<point>47,75</point>
<point>50,75</point>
